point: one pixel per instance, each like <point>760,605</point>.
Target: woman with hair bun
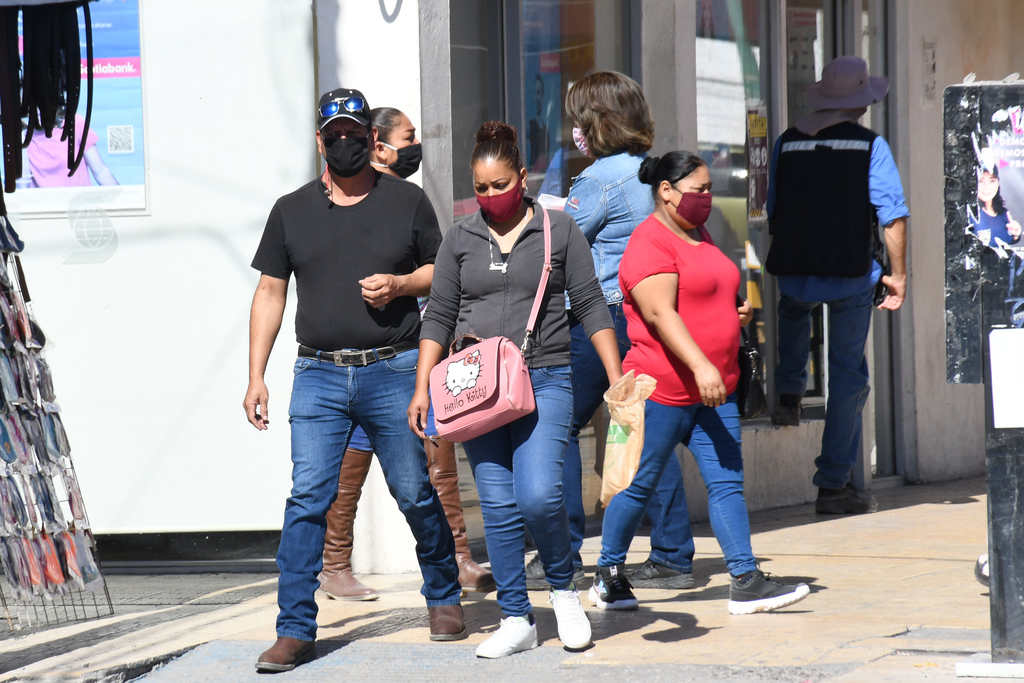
<point>485,279</point>
<point>680,304</point>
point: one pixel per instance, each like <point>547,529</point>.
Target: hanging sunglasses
<point>350,104</point>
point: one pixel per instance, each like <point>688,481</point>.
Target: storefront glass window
<point>810,29</point>
<point>558,42</point>
<point>732,134</point>
<point>564,40</point>
<point>477,86</point>
<point>810,44</point>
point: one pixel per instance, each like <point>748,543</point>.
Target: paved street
<point>893,599</point>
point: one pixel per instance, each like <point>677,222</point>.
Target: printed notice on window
<point>1006,353</point>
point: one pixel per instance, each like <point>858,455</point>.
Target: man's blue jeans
<point>713,436</point>
<point>849,321</point>
<point>671,537</point>
<point>327,402</point>
<point>518,472</point>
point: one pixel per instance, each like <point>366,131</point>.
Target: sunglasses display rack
<point>47,549</point>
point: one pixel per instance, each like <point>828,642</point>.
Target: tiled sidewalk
<point>893,599</point>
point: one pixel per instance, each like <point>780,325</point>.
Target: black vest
<point>823,223</point>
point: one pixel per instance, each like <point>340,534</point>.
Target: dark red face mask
<point>500,207</point>
<point>694,207</point>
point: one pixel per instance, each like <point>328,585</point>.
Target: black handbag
<point>750,389</point>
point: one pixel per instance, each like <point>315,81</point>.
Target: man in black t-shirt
<point>361,246</point>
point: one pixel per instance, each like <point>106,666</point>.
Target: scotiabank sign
<point>118,67</point>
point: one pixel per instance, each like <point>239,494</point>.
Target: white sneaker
<point>514,635</point>
<point>573,625</point>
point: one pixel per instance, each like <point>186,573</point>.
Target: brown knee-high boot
<point>337,579</point>
<point>444,475</point>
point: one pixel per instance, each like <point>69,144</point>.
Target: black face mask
<point>346,156</point>
<point>408,161</point>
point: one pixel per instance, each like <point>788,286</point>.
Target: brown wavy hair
<point>612,112</point>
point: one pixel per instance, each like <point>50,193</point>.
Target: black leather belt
<point>361,357</point>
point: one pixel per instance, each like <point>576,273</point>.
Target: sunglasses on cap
<point>350,104</point>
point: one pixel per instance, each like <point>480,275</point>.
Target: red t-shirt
<point>708,284</point>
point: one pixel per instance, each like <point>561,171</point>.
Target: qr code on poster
<point>120,139</point>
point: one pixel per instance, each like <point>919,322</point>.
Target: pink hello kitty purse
<point>486,385</point>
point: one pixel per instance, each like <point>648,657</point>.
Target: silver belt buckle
<point>338,355</point>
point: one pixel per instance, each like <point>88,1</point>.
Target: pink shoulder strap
<point>545,273</point>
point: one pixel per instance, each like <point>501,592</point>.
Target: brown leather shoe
<point>473,577</point>
<point>447,622</point>
<point>337,579</point>
<point>444,475</point>
<point>286,654</point>
<point>343,585</point>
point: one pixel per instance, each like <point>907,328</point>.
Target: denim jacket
<point>608,201</point>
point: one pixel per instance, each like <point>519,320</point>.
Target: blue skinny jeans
<point>713,436</point>
<point>518,472</point>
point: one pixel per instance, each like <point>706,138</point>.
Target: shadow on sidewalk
<point>483,617</point>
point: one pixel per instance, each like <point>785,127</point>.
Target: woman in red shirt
<point>680,305</point>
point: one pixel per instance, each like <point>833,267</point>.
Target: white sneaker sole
<point>582,640</point>
<point>483,653</point>
<point>619,605</point>
<point>800,592</point>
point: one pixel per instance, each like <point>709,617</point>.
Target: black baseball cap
<point>341,102</point>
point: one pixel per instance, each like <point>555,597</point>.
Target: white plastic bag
<point>625,440</point>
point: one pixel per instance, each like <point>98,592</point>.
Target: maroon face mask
<point>500,207</point>
<point>694,207</point>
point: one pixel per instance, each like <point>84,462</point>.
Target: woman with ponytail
<point>485,279</point>
<point>684,325</point>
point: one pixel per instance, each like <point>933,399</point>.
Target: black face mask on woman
<point>408,161</point>
<point>346,156</point>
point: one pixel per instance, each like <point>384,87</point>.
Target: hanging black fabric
<point>50,80</point>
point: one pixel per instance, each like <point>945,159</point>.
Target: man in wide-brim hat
<point>833,183</point>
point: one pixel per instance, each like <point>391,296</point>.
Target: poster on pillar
<point>112,175</point>
<point>984,169</point>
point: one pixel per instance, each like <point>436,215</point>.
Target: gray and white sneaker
<point>759,592</point>
<point>573,624</point>
<point>515,634</point>
<point>652,574</point>
<point>536,580</point>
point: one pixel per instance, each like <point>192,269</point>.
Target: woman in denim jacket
<point>614,126</point>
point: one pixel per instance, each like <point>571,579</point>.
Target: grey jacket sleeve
<point>442,314</point>
<point>585,295</point>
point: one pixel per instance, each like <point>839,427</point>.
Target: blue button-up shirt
<point>886,194</point>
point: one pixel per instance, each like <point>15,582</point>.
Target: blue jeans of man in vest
<point>849,321</point>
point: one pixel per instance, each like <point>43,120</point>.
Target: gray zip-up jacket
<point>471,295</point>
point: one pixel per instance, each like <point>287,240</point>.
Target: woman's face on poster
<point>988,186</point>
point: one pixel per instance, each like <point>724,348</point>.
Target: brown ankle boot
<point>444,475</point>
<point>337,579</point>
